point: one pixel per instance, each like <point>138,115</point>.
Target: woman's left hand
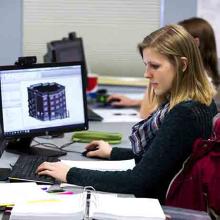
<point>58,170</point>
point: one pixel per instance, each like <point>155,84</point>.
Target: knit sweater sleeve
<point>121,154</point>
<point>171,146</point>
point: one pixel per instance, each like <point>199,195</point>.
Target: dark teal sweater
<point>159,164</point>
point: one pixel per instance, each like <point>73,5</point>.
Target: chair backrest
<point>197,185</point>
<point>216,127</point>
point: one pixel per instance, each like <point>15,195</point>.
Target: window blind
<point>110,30</point>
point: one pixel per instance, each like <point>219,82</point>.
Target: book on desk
<point>88,205</point>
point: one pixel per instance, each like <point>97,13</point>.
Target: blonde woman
<point>163,141</point>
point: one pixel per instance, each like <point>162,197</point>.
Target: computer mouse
<point>113,100</point>
<point>84,153</point>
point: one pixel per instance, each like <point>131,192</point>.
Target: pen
<point>66,193</point>
<point>118,113</point>
<point>44,188</point>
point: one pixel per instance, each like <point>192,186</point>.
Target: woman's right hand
<point>99,148</point>
<point>123,101</point>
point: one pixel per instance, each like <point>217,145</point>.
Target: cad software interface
<point>37,98</point>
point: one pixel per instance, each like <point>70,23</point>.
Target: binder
<point>89,205</point>
<point>88,199</point>
<point>109,206</point>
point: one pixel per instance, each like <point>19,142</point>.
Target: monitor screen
<point>68,51</point>
<point>42,99</point>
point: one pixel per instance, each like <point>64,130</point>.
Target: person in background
<point>204,36</point>
<point>163,141</point>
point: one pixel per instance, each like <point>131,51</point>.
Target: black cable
<point>67,144</point>
<point>48,145</point>
<point>69,151</point>
<point>72,151</point>
<point>61,148</point>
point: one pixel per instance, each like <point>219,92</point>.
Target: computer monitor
<point>70,49</point>
<point>42,99</point>
<point>67,50</point>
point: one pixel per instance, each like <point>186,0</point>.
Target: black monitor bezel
<point>55,47</point>
<point>46,131</point>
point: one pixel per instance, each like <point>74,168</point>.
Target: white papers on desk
<point>118,165</point>
<point>128,208</point>
<point>34,205</point>
<point>101,206</point>
<point>64,207</point>
<point>61,207</point>
<point>118,115</point>
<point>11,193</point>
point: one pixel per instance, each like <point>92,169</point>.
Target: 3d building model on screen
<point>47,101</point>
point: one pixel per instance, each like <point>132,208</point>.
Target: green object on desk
<point>88,136</point>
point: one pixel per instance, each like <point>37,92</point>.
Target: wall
<point>173,11</point>
<point>10,31</point>
<point>210,12</point>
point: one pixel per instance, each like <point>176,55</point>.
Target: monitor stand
<point>4,171</point>
<point>23,146</point>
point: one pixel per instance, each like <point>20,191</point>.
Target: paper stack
<point>128,209</point>
<point>59,207</point>
<point>12,193</point>
<point>65,207</point>
<point>98,206</point>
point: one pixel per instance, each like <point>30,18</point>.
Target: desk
<point>9,158</point>
<point>124,128</point>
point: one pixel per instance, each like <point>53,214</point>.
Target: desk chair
<point>196,186</point>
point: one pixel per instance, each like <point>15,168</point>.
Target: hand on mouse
<point>122,100</point>
<point>103,149</point>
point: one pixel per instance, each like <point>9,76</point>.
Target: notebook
<point>89,205</point>
<point>12,193</point>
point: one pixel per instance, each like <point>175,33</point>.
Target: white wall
<point>10,31</point>
<point>210,12</point>
<point>173,11</point>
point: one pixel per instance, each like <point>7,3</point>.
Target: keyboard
<point>25,169</point>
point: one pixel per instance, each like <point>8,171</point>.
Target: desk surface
<point>10,158</point>
<point>124,128</point>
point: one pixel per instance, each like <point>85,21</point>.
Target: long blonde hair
<point>175,42</point>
